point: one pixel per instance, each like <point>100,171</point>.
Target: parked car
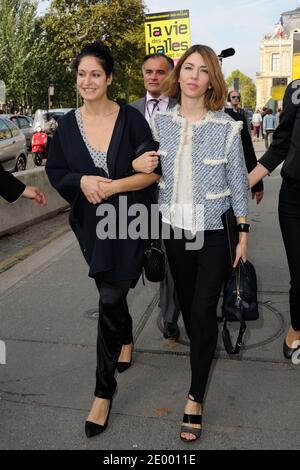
<point>25,123</point>
<point>13,150</point>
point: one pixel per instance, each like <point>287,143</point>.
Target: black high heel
<point>122,366</point>
<point>92,429</point>
<point>191,419</point>
<point>287,351</point>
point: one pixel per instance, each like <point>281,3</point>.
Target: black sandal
<point>191,419</point>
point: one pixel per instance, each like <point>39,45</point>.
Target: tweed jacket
<point>217,169</point>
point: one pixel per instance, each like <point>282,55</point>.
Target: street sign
<point>51,90</point>
<point>2,92</point>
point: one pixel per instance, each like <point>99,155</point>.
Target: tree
<point>18,46</point>
<point>246,88</point>
<point>69,25</point>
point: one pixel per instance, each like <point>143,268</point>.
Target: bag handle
<point>230,349</point>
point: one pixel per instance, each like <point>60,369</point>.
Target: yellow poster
<point>296,66</point>
<point>296,56</point>
<point>278,92</point>
<point>279,85</point>
<point>168,33</point>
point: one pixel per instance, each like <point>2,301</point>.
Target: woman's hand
<point>256,175</point>
<point>107,188</point>
<point>90,186</point>
<point>35,194</point>
<point>241,249</point>
<point>146,163</point>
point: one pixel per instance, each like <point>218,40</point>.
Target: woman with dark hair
<point>203,174</point>
<point>89,164</point>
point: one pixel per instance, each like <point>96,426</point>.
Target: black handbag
<point>154,262</point>
<point>240,292</point>
<point>154,259</point>
<point>239,303</point>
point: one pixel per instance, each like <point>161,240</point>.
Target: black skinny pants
<point>289,219</point>
<point>114,330</point>
<point>198,277</point>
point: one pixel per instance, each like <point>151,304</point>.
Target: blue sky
<point>240,24</point>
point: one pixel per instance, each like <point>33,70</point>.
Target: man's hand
<point>90,186</point>
<point>258,196</point>
<point>146,163</point>
<point>35,194</point>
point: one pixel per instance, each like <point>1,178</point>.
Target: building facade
<point>278,61</point>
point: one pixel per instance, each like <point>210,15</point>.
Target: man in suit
<point>156,68</point>
<point>11,189</point>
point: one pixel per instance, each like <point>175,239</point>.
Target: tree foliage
<point>38,51</point>
<point>19,46</point>
<point>247,88</point>
<point>71,24</point>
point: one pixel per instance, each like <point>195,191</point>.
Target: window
<point>13,127</point>
<point>22,122</point>
<point>4,130</point>
<point>275,62</point>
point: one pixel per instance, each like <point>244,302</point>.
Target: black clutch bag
<point>239,303</point>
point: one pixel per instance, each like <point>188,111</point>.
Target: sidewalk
<point>48,323</point>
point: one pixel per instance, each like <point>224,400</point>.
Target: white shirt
<point>183,207</point>
<point>256,118</point>
<point>149,105</point>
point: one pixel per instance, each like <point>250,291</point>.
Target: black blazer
<point>249,153</point>
<point>285,145</point>
<point>69,160</point>
<point>10,187</point>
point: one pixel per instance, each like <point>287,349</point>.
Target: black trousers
<point>114,330</point>
<point>168,300</point>
<point>198,277</point>
<point>289,219</point>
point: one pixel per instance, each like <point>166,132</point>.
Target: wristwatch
<point>243,227</point>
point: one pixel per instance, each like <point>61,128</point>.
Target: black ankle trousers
<point>198,277</point>
<point>289,219</point>
<point>114,330</point>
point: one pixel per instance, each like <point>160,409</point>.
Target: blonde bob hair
<point>215,97</point>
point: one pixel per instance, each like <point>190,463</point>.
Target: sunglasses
<point>235,98</point>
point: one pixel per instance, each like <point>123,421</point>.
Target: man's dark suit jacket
<point>10,187</point>
<point>140,104</point>
<point>285,145</point>
<point>249,153</point>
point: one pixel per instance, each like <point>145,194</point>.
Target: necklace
<point>199,118</point>
<point>101,116</point>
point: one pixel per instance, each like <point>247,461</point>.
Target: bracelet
<point>243,227</point>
